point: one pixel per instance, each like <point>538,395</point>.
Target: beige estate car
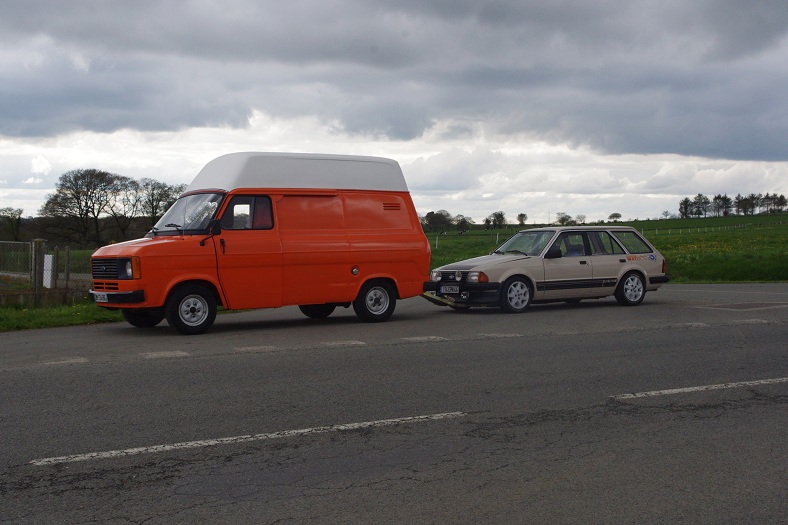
<point>568,263</point>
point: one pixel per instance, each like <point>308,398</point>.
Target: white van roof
<point>299,170</point>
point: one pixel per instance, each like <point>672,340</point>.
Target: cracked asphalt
<point>536,432</point>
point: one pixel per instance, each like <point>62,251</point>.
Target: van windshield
<point>190,213</point>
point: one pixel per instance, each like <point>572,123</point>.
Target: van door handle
<point>221,242</point>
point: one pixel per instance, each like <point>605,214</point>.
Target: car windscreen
<point>190,213</point>
<point>529,243</point>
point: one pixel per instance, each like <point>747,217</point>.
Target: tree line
<point>92,207</point>
<point>722,205</point>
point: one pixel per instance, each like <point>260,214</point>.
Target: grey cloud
<point>699,78</point>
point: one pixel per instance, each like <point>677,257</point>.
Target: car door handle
<point>622,260</point>
<point>583,262</point>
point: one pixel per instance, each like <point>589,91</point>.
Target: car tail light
<point>664,265</point>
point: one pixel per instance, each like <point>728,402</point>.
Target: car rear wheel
<point>375,302</point>
<point>191,309</point>
<point>631,290</point>
<point>515,295</point>
<point>317,311</point>
<point>142,317</point>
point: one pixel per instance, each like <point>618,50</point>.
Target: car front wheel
<point>631,290</point>
<point>515,295</point>
<point>191,309</point>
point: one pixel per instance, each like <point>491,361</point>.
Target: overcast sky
<point>574,106</point>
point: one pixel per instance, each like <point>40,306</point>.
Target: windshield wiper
<point>176,226</point>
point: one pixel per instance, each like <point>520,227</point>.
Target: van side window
<point>248,212</point>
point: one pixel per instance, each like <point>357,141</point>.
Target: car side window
<point>602,243</point>
<point>632,242</point>
<point>248,212</point>
<point>571,244</point>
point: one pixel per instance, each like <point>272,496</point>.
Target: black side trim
<point>581,284</point>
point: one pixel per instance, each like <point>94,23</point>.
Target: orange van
<point>263,230</point>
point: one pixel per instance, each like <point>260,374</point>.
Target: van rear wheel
<point>375,302</point>
<point>142,317</point>
<point>191,309</point>
<point>317,311</point>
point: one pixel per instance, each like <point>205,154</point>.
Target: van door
<point>316,258</point>
<point>249,254</point>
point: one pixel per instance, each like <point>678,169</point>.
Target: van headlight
<point>129,268</point>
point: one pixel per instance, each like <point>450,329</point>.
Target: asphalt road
<point>670,412</point>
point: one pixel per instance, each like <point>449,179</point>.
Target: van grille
<point>105,286</point>
<point>104,268</point>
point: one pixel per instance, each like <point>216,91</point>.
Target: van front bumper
<point>136,296</point>
<point>483,294</point>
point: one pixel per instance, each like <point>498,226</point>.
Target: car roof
<point>579,228</point>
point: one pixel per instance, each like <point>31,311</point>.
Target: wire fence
<point>36,266</point>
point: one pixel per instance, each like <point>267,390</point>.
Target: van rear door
<point>249,254</point>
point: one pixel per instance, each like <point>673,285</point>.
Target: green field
<point>713,250</point>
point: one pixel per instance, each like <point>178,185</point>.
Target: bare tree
<point>11,219</point>
<point>81,197</point>
<point>156,198</point>
<point>125,203</point>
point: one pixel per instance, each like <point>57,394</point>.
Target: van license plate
<point>100,297</point>
<point>450,289</point>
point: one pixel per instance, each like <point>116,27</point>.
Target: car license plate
<point>450,289</point>
<point>100,297</point>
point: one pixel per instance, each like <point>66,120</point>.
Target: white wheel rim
<point>633,289</point>
<point>518,295</point>
<point>377,300</point>
<point>193,310</point>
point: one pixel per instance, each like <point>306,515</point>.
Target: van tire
<point>191,309</point>
<point>317,311</point>
<point>375,302</point>
<point>142,317</point>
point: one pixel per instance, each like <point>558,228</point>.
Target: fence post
<point>68,265</point>
<point>55,267</point>
<point>39,248</point>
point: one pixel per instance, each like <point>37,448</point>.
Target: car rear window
<point>633,242</point>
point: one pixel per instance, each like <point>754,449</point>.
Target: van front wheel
<point>142,317</point>
<point>317,311</point>
<point>375,302</point>
<point>191,309</point>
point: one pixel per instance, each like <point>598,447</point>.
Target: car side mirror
<point>553,253</point>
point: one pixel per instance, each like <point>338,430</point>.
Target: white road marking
<point>262,348</point>
<point>69,361</point>
<point>243,439</point>
<point>501,336</point>
<point>161,355</point>
<point>424,339</point>
<point>334,344</point>
<point>655,393</point>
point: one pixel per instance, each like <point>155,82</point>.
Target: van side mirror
<point>215,227</point>
<point>553,253</point>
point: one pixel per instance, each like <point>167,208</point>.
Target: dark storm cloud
<point>695,78</point>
